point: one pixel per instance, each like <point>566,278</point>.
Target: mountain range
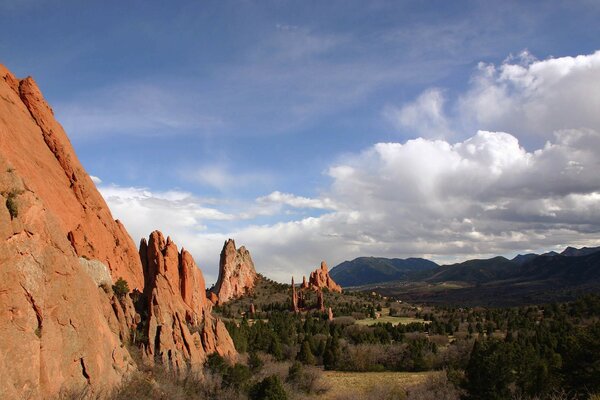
<point>494,281</point>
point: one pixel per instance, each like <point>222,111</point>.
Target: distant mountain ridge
<point>497,281</point>
<point>366,270</point>
<point>371,270</point>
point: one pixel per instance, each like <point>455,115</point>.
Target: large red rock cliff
<point>58,328</point>
<point>237,275</point>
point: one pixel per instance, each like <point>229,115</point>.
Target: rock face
<point>58,244</point>
<point>57,327</point>
<point>35,145</point>
<point>180,328</point>
<point>320,279</point>
<point>237,275</point>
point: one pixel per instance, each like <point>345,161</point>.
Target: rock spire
<point>320,279</point>
<point>237,275</point>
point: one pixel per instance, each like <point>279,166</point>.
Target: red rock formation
<point>295,307</point>
<point>57,327</point>
<point>180,329</point>
<point>320,300</point>
<point>320,279</point>
<point>237,275</point>
<point>35,145</point>
<point>304,283</point>
<point>60,324</point>
<point>214,299</point>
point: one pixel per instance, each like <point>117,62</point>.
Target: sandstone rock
<point>237,275</point>
<point>304,283</point>
<point>329,314</point>
<point>99,272</point>
<point>54,333</point>
<point>180,328</point>
<point>320,279</point>
<point>58,329</point>
<point>295,307</point>
<point>35,145</point>
<point>214,299</point>
<point>320,300</point>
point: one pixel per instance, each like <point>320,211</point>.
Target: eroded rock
<point>320,279</point>
<point>237,275</point>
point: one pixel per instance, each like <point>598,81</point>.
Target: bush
<point>255,362</point>
<point>121,287</point>
<point>306,379</point>
<point>269,388</point>
<point>11,205</point>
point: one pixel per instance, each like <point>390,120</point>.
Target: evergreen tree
<point>269,388</point>
<point>489,372</point>
<point>305,355</point>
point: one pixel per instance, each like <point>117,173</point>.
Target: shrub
<point>255,362</point>
<point>11,205</point>
<point>121,287</point>
<point>306,379</point>
<point>269,388</point>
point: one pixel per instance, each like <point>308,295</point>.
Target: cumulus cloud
<point>530,98</point>
<point>527,96</point>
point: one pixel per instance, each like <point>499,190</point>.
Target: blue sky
<point>261,121</point>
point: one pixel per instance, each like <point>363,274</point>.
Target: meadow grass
<point>357,384</point>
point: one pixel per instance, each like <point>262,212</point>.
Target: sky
<point>328,130</point>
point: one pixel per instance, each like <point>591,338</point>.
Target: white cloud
<point>96,180</point>
<point>425,116</point>
<point>292,200</point>
<point>528,97</point>
<point>532,97</point>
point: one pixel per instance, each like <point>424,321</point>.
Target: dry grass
<point>386,318</point>
<point>356,385</point>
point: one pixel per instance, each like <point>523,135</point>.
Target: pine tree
<point>305,355</point>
